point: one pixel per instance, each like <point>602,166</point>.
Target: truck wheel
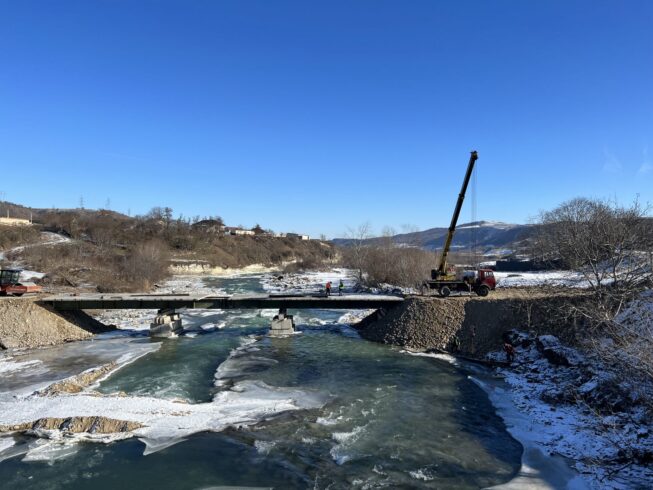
<point>483,290</point>
<point>444,291</point>
<point>18,295</point>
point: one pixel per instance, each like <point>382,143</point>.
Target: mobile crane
<point>444,280</point>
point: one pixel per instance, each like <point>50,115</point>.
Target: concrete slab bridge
<point>168,321</point>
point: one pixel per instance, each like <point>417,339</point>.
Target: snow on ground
<point>141,319</point>
<point>582,411</point>
<point>544,278</point>
<point>638,314</point>
<point>310,282</point>
<point>47,238</point>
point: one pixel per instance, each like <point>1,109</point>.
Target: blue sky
<point>315,116</point>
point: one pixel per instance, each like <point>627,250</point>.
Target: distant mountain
<point>491,237</point>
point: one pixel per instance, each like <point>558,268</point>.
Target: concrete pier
<point>282,324</point>
<point>166,324</point>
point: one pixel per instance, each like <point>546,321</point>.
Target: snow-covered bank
<point>572,405</point>
<point>310,281</point>
<point>543,278</point>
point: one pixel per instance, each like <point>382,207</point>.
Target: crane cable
<point>474,230</point>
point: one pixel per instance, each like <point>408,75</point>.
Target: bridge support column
<point>282,324</point>
<point>166,324</point>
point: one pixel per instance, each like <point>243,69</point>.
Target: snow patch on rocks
<point>579,408</point>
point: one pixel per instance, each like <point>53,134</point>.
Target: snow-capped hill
<point>499,225</point>
<point>485,235</point>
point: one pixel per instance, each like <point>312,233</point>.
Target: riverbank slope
<point>26,324</point>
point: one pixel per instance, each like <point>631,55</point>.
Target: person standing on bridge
<point>341,286</point>
<point>328,288</point>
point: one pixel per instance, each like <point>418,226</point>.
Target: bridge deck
<point>256,301</point>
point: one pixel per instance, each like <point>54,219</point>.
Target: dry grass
<point>113,252</point>
<point>13,236</point>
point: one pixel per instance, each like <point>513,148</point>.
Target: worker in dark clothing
<point>455,344</point>
<point>510,351</point>
<point>341,287</point>
<point>328,288</point>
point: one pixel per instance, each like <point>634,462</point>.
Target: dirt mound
<point>419,323</point>
<point>26,324</point>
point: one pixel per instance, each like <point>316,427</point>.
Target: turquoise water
<point>391,420</point>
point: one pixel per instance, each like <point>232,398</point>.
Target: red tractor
<point>10,284</point>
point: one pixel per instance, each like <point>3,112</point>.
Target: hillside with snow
<point>489,236</point>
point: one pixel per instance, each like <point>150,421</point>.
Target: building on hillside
<point>297,235</point>
<point>233,230</point>
<point>15,222</point>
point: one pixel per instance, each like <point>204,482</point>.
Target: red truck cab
<point>486,276</point>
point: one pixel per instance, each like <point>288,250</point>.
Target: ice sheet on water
<point>50,450</point>
<point>6,365</point>
<point>153,445</point>
<point>351,317</point>
<point>167,421</point>
<point>264,447</point>
<point>47,366</point>
<point>6,443</point>
<point>435,355</point>
<point>11,449</point>
<point>236,367</point>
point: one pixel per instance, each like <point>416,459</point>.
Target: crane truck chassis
<point>481,281</point>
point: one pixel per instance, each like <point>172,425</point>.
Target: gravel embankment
<point>469,324</point>
<point>26,324</point>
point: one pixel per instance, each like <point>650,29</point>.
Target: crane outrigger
<point>444,280</point>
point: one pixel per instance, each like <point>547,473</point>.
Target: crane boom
<point>441,270</point>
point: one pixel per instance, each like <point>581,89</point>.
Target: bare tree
<point>606,243</point>
<point>359,248</point>
<point>610,246</point>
